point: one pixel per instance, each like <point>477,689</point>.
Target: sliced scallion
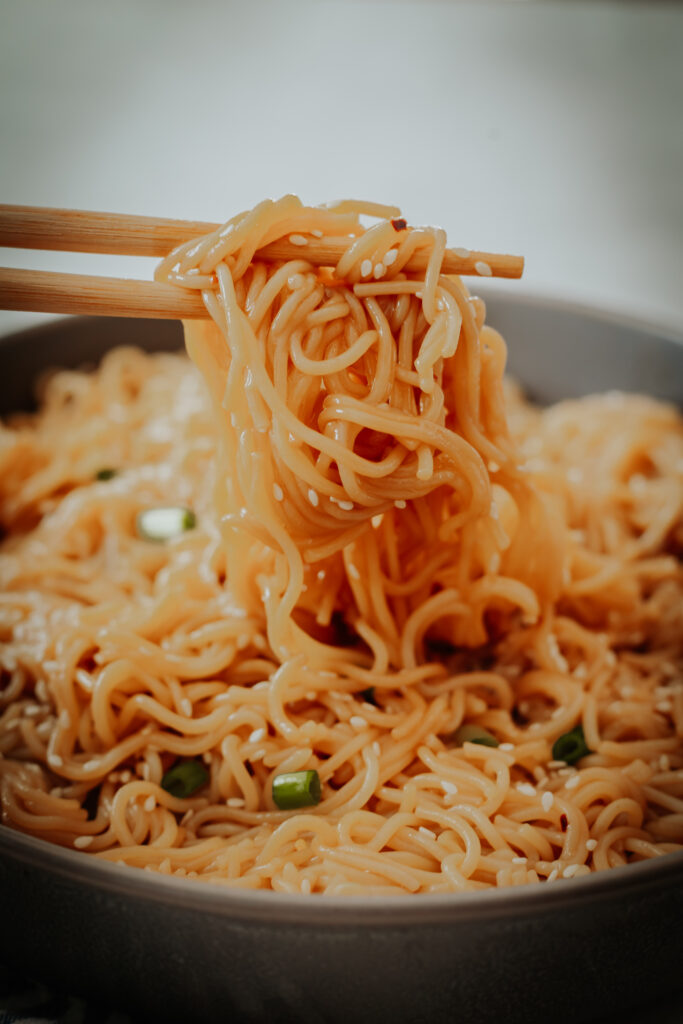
<point>106,473</point>
<point>296,789</point>
<point>571,746</point>
<point>184,778</point>
<point>474,734</point>
<point>164,523</point>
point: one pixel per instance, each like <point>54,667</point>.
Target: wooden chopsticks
<point>31,227</point>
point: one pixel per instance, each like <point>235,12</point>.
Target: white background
<point>549,129</point>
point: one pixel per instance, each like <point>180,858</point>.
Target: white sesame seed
<point>80,842</point>
<point>426,832</point>
<point>313,497</point>
<point>233,420</point>
<point>400,503</point>
<point>207,757</point>
<point>547,801</point>
<point>358,722</point>
<point>316,232</point>
<point>483,268</point>
<point>320,575</point>
<point>55,760</point>
<point>390,257</point>
<point>506,746</point>
<point>591,844</point>
<point>91,766</point>
<point>150,803</point>
<point>32,711</point>
<point>664,763</point>
<point>664,706</point>
<point>519,860</point>
<point>571,870</point>
<point>464,254</point>
<point>553,875</point>
<point>235,801</point>
<point>298,240</point>
<point>353,571</point>
<point>526,788</point>
<point>258,734</point>
<point>573,782</point>
<point>186,707</point>
<point>449,787</point>
<point>376,749</point>
<point>65,719</point>
<point>306,886</point>
<point>278,493</point>
<point>557,764</point>
<point>346,506</point>
<point>366,268</point>
<point>379,270</point>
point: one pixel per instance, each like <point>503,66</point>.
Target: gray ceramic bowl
<point>172,949</point>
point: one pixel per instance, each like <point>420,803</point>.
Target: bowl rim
<point>298,908</point>
<point>353,910</point>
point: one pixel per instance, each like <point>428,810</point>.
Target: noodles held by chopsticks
<point>387,543</point>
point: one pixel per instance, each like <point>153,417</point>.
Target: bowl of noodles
<point>342,653</point>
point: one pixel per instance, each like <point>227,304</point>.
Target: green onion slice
<point>474,734</point>
<point>571,746</point>
<point>184,778</point>
<point>296,789</point>
<point>164,523</point>
<point>106,473</point>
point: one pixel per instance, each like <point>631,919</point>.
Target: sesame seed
<point>526,788</point>
<point>506,746</point>
<point>483,268</point>
<point>573,782</point>
<point>186,707</point>
<point>91,766</point>
<point>664,763</point>
<point>278,493</point>
<point>320,575</point>
<point>591,844</point>
<point>547,801</point>
<point>519,860</point>
<point>313,497</point>
<point>358,722</point>
<point>400,503</point>
<point>235,801</point>
<point>65,719</point>
<point>306,886</point>
<point>553,875</point>
<point>353,572</point>
<point>150,803</point>
<point>258,734</point>
<point>206,757</point>
<point>55,760</point>
<point>233,420</point>
<point>346,506</point>
<point>664,706</point>
<point>571,870</point>
<point>80,842</point>
<point>376,749</point>
<point>556,764</point>
<point>464,254</point>
<point>298,240</point>
<point>317,233</point>
<point>390,257</point>
<point>449,787</point>
<point>366,268</point>
<point>379,271</point>
<point>426,832</point>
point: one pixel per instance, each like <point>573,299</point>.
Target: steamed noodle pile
<point>386,546</point>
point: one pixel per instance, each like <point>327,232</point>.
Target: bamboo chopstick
<point>34,227</point>
<point>41,291</point>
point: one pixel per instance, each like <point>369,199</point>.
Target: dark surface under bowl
<point>170,949</point>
